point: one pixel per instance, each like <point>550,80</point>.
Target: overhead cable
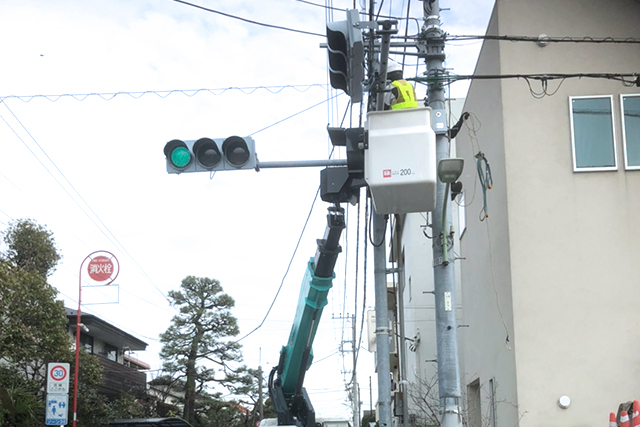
<point>228,15</point>
<point>545,39</point>
<point>108,96</point>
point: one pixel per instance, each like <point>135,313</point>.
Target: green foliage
<point>34,332</point>
<point>34,328</point>
<point>218,413</point>
<point>19,405</point>
<point>200,334</point>
<point>31,246</point>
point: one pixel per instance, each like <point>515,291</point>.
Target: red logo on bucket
<point>386,173</point>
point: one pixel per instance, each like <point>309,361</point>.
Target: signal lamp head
<point>236,151</point>
<point>207,153</point>
<point>178,154</point>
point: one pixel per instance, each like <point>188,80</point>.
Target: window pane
<point>631,106</point>
<point>111,351</point>
<point>593,132</point>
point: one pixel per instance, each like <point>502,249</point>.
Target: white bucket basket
<point>400,162</point>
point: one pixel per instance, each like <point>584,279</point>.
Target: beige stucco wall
<point>564,245</point>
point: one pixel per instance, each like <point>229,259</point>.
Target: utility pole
<point>260,403</point>
<point>355,389</point>
<point>382,321</point>
<point>383,331</point>
<point>354,378</point>
<point>443,270</point>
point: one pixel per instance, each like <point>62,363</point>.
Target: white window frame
<point>624,130</point>
<point>573,143</point>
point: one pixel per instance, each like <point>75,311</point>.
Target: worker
<point>402,94</point>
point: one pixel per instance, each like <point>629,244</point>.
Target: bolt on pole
<point>443,271</point>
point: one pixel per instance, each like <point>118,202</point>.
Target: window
<point>631,130</point>
<point>592,133</point>
<point>111,352</point>
<point>474,404</point>
<point>86,342</point>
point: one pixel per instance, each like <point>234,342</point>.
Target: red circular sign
<point>100,268</point>
<point>58,373</point>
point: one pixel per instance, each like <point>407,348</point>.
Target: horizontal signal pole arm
<point>301,163</point>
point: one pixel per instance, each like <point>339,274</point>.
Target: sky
<point>88,164</point>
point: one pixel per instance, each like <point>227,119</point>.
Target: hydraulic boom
<point>289,397</point>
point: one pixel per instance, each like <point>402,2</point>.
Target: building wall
<point>554,265</point>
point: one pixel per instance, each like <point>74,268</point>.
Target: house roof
<point>106,332</point>
<point>151,422</point>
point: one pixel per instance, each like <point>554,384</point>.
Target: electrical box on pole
<point>346,55</point>
<point>210,154</point>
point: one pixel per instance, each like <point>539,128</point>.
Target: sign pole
<point>100,269</point>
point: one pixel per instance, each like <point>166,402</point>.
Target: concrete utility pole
<point>355,390</point>
<point>383,331</point>
<point>382,321</point>
<point>443,271</point>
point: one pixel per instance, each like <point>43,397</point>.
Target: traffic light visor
<point>178,154</point>
<point>236,151</point>
<point>207,153</point>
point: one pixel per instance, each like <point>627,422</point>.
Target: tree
<point>425,406</point>
<point>34,332</point>
<point>199,334</point>
<point>32,247</point>
<point>34,328</point>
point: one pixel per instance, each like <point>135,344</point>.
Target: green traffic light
<point>180,157</point>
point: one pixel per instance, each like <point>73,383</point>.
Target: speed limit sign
<point>58,378</point>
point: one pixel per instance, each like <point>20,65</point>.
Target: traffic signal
<point>346,55</point>
<point>207,154</point>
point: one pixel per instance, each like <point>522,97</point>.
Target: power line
<point>546,39</point>
<point>627,79</point>
<point>111,237</point>
<point>293,115</point>
<point>108,96</point>
<point>228,15</point>
<point>286,273</point>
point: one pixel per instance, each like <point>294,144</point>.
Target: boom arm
<point>289,397</point>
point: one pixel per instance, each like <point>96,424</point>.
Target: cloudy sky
<point>91,168</point>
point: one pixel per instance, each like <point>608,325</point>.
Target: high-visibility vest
<point>406,95</point>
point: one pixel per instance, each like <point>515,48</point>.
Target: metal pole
<point>77,358</point>
<point>111,279</point>
<point>380,264</point>
<point>382,321</point>
<point>354,377</point>
<point>443,271</point>
<point>301,163</point>
<point>260,407</point>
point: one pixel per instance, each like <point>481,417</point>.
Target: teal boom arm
<point>288,395</point>
<point>313,298</point>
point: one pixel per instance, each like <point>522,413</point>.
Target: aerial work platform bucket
<point>400,161</point>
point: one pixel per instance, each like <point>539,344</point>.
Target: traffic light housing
<point>210,154</point>
<point>346,55</point>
